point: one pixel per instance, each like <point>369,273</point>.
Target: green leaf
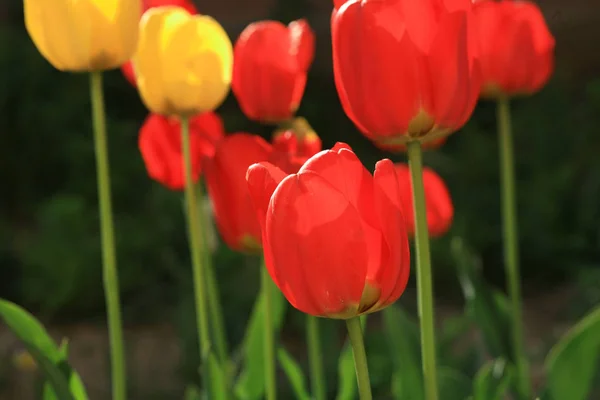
<point>572,363</point>
<point>294,374</point>
<point>493,380</point>
<point>347,386</point>
<point>404,343</point>
<point>75,383</point>
<point>488,307</point>
<point>39,344</point>
<point>453,385</point>
<point>250,384</point>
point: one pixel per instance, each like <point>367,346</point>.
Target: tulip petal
<point>225,176</point>
<point>197,63</point>
<point>318,245</point>
<point>149,56</point>
<point>262,179</point>
<point>450,63</point>
<point>392,275</point>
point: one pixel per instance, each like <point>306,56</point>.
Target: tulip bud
<point>405,70</point>
<point>160,146</point>
<point>516,49</point>
<point>183,63</point>
<point>127,69</point>
<point>225,176</point>
<point>333,235</point>
<point>270,67</point>
<point>84,35</point>
<point>440,210</point>
<point>297,137</point>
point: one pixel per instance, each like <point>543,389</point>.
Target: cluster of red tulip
<point>408,73</point>
<point>334,237</point>
<point>399,79</point>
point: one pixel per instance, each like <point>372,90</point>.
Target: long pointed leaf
<point>294,374</point>
<point>573,361</point>
<point>403,340</point>
<point>39,344</point>
<point>250,385</point>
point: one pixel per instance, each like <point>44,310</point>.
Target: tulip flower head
<point>440,210</point>
<point>127,69</point>
<point>84,35</point>
<point>183,64</point>
<point>405,70</point>
<point>333,235</point>
<point>516,49</point>
<point>160,146</point>
<point>226,182</point>
<point>271,61</point>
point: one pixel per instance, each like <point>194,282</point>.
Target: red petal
<point>454,90</point>
<point>318,245</point>
<point>392,275</point>
<point>129,73</point>
<point>262,180</point>
<point>302,39</point>
<point>226,182</point>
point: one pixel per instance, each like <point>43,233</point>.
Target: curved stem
<point>214,380</point>
<point>360,358</point>
<point>319,390</point>
<point>424,276</point>
<point>269,340</point>
<point>212,288</point>
<point>511,243</point>
<point>110,276</point>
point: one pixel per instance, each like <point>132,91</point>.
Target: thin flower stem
<point>511,243</point>
<point>424,276</point>
<point>214,381</point>
<point>319,390</point>
<point>212,288</point>
<point>269,340</point>
<point>360,358</point>
<point>110,276</point>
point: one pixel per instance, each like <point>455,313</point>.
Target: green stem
<point>424,276</point>
<point>360,358</point>
<point>212,288</point>
<point>111,279</point>
<point>319,390</point>
<point>511,243</point>
<point>195,239</point>
<point>269,340</point>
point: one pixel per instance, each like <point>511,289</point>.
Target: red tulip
<point>127,69</point>
<point>437,199</point>
<point>405,69</point>
<point>333,234</point>
<point>516,49</point>
<point>160,145</point>
<point>225,175</point>
<point>270,64</point>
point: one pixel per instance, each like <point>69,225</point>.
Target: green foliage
<point>294,373</point>
<point>250,384</point>
<point>493,380</point>
<point>578,350</point>
<point>62,382</point>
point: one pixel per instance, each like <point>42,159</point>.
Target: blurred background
<point>49,236</point>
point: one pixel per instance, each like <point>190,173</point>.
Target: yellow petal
<point>149,57</point>
<point>83,35</point>
<point>198,65</point>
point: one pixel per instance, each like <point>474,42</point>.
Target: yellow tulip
<point>84,35</point>
<point>183,63</point>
